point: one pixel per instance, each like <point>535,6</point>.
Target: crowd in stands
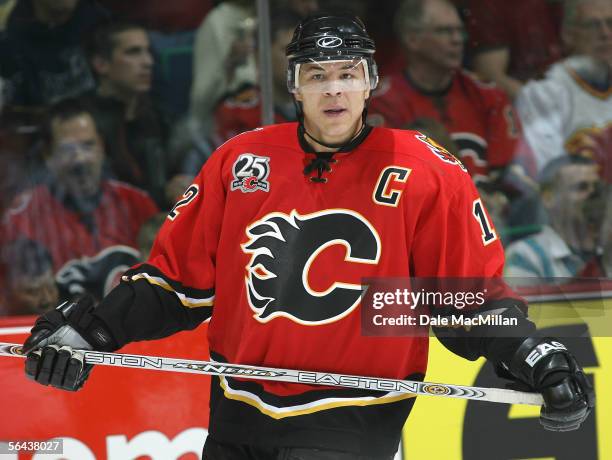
<point>109,108</point>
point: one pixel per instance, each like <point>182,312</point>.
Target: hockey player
<point>277,232</point>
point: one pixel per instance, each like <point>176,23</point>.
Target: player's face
<point>130,67</point>
<point>440,41</point>
<point>77,155</point>
<point>333,97</point>
<point>592,33</point>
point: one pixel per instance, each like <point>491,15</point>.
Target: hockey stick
<point>293,376</point>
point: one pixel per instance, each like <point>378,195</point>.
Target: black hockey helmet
<point>330,37</point>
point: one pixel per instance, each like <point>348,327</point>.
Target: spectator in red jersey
<point>87,223</point>
<point>29,286</point>
<point>513,42</point>
<point>479,118</point>
<point>241,111</point>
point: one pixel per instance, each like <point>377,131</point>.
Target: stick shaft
<point>296,376</point>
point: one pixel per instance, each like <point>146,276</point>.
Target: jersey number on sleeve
<point>188,196</point>
<point>488,232</point>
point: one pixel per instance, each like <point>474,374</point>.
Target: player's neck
<point>312,133</point>
<point>428,78</point>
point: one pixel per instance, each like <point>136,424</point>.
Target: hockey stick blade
<point>498,395</point>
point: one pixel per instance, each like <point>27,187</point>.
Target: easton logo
<point>542,350</point>
<point>329,42</point>
<point>283,248</point>
<point>251,173</point>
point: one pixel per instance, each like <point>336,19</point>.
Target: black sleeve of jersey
<point>142,311</point>
<point>497,343</point>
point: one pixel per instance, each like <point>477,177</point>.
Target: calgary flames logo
<point>440,151</point>
<point>283,248</point>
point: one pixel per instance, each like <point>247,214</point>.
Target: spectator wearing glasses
<point>571,109</point>
<point>87,224</point>
<point>478,118</point>
<point>570,187</point>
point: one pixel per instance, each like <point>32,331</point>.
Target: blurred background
<point>109,108</point>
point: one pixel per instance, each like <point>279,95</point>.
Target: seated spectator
<point>571,109</point>
<point>29,286</point>
<point>87,223</point>
<point>44,61</point>
<point>570,239</point>
<point>512,42</point>
<point>134,131</point>
<point>224,58</point>
<point>433,85</point>
<point>241,111</point>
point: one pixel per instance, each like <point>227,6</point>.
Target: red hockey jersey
<point>478,117</point>
<point>281,258</point>
<point>89,252</point>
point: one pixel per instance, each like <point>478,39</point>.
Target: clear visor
<point>331,76</point>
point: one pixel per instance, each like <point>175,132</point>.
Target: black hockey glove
<point>546,366</point>
<point>49,349</point>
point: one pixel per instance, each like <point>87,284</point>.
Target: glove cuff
<point>79,315</point>
<point>541,361</point>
